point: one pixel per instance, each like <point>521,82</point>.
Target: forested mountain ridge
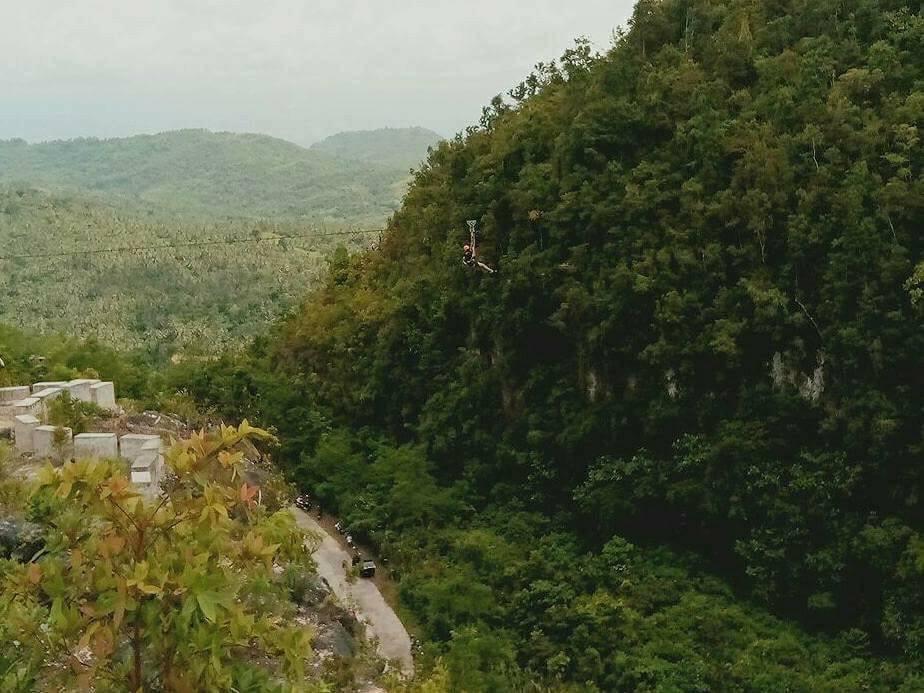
<point>398,147</point>
<point>213,175</point>
<point>705,334</point>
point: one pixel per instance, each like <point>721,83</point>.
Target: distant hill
<point>393,147</point>
<point>208,175</point>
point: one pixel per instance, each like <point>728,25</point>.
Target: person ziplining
<point>470,251</point>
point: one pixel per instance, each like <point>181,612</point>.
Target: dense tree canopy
<point>400,148</point>
<point>705,334</point>
<point>64,268</point>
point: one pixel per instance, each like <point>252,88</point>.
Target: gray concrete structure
<point>146,473</point>
<point>43,442</point>
<point>142,478</point>
<point>23,426</point>
<point>48,393</point>
<point>14,394</point>
<point>45,397</point>
<point>44,385</point>
<point>103,395</point>
<point>80,389</point>
<point>30,405</point>
<point>131,445</point>
<point>148,467</point>
<point>104,446</point>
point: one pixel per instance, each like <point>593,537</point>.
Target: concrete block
<point>141,478</point>
<point>44,385</point>
<point>48,393</point>
<point>104,446</point>
<point>80,389</point>
<point>147,470</point>
<point>30,405</point>
<point>23,426</point>
<point>103,395</point>
<point>146,462</point>
<point>43,442</point>
<point>131,445</point>
<point>14,394</point>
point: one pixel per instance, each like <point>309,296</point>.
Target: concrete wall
<point>44,385</point>
<point>43,443</point>
<point>48,393</point>
<point>96,445</point>
<point>131,445</point>
<point>80,389</point>
<point>30,405</point>
<point>148,467</point>
<point>14,394</point>
<point>103,395</point>
<point>45,396</point>
<point>23,426</point>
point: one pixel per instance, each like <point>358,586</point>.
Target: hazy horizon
<point>154,133</point>
<point>107,69</point>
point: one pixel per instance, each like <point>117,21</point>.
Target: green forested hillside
<point>675,443</point>
<point>198,298</point>
<point>394,147</point>
<point>214,175</point>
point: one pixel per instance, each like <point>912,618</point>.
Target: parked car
<point>367,570</point>
<point>339,527</point>
<point>303,502</point>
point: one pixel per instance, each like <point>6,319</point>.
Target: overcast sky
<point>298,69</point>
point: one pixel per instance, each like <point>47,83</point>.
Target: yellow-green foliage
<point>176,593</point>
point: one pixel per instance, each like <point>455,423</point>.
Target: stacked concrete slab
<point>131,445</point>
<point>8,395</point>
<point>47,393</point>
<point>46,384</point>
<point>80,389</point>
<point>43,442</point>
<point>29,405</point>
<point>104,446</point>
<point>145,454</point>
<point>23,410</point>
<point>23,426</point>
<point>45,396</point>
<point>103,395</point>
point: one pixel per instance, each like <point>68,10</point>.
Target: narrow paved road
<point>371,608</point>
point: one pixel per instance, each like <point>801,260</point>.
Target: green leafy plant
<point>173,593</point>
<point>68,412</point>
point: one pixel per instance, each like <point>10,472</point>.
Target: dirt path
<point>382,623</point>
